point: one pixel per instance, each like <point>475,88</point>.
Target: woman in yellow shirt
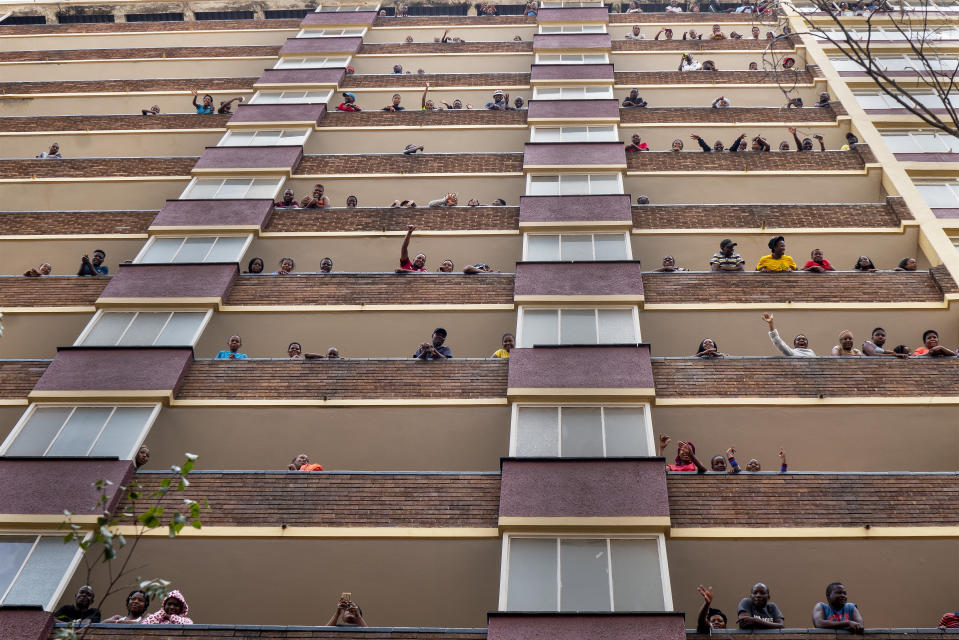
<point>508,343</point>
<point>777,260</point>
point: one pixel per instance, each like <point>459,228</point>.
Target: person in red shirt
<point>686,460</point>
<point>418,263</point>
<point>302,463</point>
<point>818,264</point>
<point>349,103</point>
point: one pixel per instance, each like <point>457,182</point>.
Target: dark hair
<point>441,331</point>
<point>859,268</point>
<point>249,267</point>
<point>716,612</point>
<point>877,329</point>
<point>831,586</point>
<point>207,95</point>
<point>904,262</point>
<point>702,345</point>
<point>141,592</point>
<point>295,343</point>
<point>95,251</point>
<point>901,348</point>
<point>772,243</point>
<point>927,332</point>
<point>505,335</point>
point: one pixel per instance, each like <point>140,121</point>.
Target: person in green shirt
<point>777,260</point>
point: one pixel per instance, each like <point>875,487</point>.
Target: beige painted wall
<point>442,139</point>
<point>129,69</point>
<point>97,104</point>
<point>345,438</point>
<point>444,63</point>
<point>895,583</point>
<point>374,99</point>
<point>660,138</point>
<point>619,31</point>
<point>703,96</point>
<point>120,40</point>
<point>16,256</point>
<point>467,33</point>
<point>669,61</point>
<point>90,195</point>
<point>37,335</point>
<point>111,145</point>
<point>374,191</point>
<point>744,188</point>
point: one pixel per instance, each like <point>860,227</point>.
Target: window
<point>573,93</point>
<point>592,133</point>
<point>918,142</point>
<point>574,184</point>
<point>81,431</point>
<point>263,137</point>
<point>167,249</point>
<point>580,432</point>
<point>577,326</point>
<point>569,247</point>
<point>898,63</point>
<point>566,4</point>
<point>312,62</point>
<point>291,97</point>
<point>144,329</point>
<point>572,58</point>
<point>573,28</point>
<point>331,33</point>
<point>231,188</point>
<point>585,574</point>
<point>332,8</point>
<point>32,569</point>
<point>883,101</point>
<point>943,195</point>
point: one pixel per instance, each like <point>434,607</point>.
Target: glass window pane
<point>610,246</point>
<point>537,431</point>
<point>542,247</point>
<point>871,101</point>
<point>107,330</point>
<point>181,330</point>
<point>937,195</point>
<point>80,431</point>
<point>574,134</point>
<point>227,249</point>
<point>577,326</point>
<point>577,247</point>
<point>543,186</point>
<point>145,328</point>
<point>582,432</point>
<point>204,189</point>
<point>42,574</point>
<point>548,92</point>
<point>162,250</point>
<point>194,249</point>
<point>951,142</point>
<point>239,138</point>
<point>616,326</point>
<point>574,184</point>
<point>604,184</point>
<point>584,575</point>
<point>547,134</point>
<point>637,581</point>
<point>234,188</point>
<point>531,585</point>
<point>626,432</point>
<point>122,432</point>
<point>539,327</point>
<point>38,432</point>
<point>13,551</point>
<point>901,144</point>
<point>262,188</point>
<point>602,134</point>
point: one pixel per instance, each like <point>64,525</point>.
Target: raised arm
<point>405,249</point>
<point>792,130</point>
<point>423,99</point>
<point>777,341</point>
<point>702,624</point>
<point>738,143</point>
<point>822,143</point>
<point>702,143</point>
<point>195,93</point>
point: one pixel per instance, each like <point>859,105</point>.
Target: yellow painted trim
<point>298,402</point>
<point>738,124</point>
<point>773,86</point>
<point>556,82</point>
<point>582,299</point>
<point>99,34</point>
<point>498,54</point>
<point>146,179</point>
<point>856,306</point>
<point>439,127</point>
<point>778,401</point>
<point>573,167</point>
<point>584,392</point>
<point>87,395</point>
<point>104,132</point>
<point>386,234</point>
<point>160,59</point>
<point>47,310</point>
<point>322,532</point>
<point>21,520</point>
<point>377,176</point>
<point>623,225</point>
<point>286,172</point>
<point>115,94</point>
<point>780,230</point>
<point>13,402</point>
<point>154,303</point>
<point>797,172</point>
<point>272,123</point>
<point>286,86</point>
<point>592,119</point>
<point>569,523</point>
<point>80,236</point>
<point>342,308</point>
<point>209,228</point>
<point>813,532</point>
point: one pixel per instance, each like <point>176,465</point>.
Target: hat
<point>727,243</point>
<point>498,92</point>
<point>347,94</point>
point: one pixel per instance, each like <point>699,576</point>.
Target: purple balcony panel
<point>624,368</point>
<point>26,623</point>
<point>545,72</point>
<point>927,157</point>
<point>543,210</point>
<point>302,77</point>
<point>227,159</point>
<point>573,110</point>
<point>583,488</point>
<point>575,154</point>
<point>206,214</point>
<point>946,213</point>
<point>287,114</point>
<point>584,14</point>
<point>595,626</point>
<point>93,372</point>
<point>620,278</point>
<point>572,42</point>
<point>339,18</point>
<point>295,46</point>
<point>176,282</point>
<point>48,486</point>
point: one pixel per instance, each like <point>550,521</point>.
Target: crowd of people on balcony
<point>757,143</point>
<point>173,609</point>
<point>686,460</point>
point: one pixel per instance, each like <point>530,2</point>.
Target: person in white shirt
<point>800,348</point>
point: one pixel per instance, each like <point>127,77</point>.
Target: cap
<point>727,243</point>
<point>347,94</point>
<point>498,92</point>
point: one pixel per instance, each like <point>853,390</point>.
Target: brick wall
<point>114,123</point>
<point>137,27</point>
<point>248,632</point>
<point>705,20</point>
<point>344,379</point>
<point>696,161</point>
<point>137,52</point>
<point>393,219</point>
<point>436,80</point>
<point>96,167</point>
<point>351,289</point>
<point>51,291</point>
<point>203,85</point>
<point>777,216</point>
<point>15,223</point>
<point>341,499</point>
<point>943,279</point>
<point>446,47</point>
<point>410,118</point>
<point>662,115</point>
<point>18,377</point>
<point>364,164</point>
<point>630,78</point>
<point>698,45</point>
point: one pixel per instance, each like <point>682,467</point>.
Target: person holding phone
<point>348,614</point>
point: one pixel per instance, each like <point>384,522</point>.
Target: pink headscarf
<point>161,617</point>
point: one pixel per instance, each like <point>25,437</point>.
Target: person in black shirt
<point>757,612</point>
<point>434,350</point>
<point>395,106</point>
<point>709,618</point>
<point>82,610</point>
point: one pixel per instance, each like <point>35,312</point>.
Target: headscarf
<point>692,448</point>
<point>160,617</point>
<point>844,332</point>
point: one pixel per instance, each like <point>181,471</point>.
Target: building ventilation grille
<point>84,18</point>
<point>14,20</point>
<point>283,14</point>
<point>154,17</point>
<point>223,15</point>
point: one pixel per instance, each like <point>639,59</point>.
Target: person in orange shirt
<point>302,463</point>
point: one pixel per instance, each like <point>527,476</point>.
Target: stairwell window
<point>32,570</point>
<point>263,137</point>
<point>573,28</point>
<point>291,97</point>
<point>591,133</point>
<point>572,58</point>
<point>877,100</point>
<point>919,142</point>
<point>312,62</point>
<point>331,33</point>
<point>143,329</point>
<point>232,189</point>
<point>333,8</point>
<point>599,92</point>
<point>579,431</point>
<point>574,184</point>
<point>940,195</point>
<point>577,326</point>
<point>569,247</point>
<point>180,249</point>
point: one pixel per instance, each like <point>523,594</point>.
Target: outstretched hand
<point>706,593</point>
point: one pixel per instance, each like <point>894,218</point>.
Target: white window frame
<point>153,239</point>
<point>572,58</point>
<point>64,579</point>
<point>567,4</point>
<point>661,555</point>
<point>572,28</point>
<point>521,330</point>
<point>287,137</point>
<point>290,97</point>
<point>311,62</point>
<point>896,62</point>
<point>333,32</point>
<point>559,181</point>
<point>101,312</point>
<point>953,186</point>
<point>925,141</point>
<point>32,409</point>
<point>599,92</point>
<point>594,132</point>
<point>514,422</point>
<point>276,188</point>
<point>592,234</point>
<point>931,100</point>
<point>345,8</point>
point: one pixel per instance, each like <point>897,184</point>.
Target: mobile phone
<point>346,596</point>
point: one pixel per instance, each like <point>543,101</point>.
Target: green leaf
<point>197,524</point>
<point>187,466</point>
<point>165,482</point>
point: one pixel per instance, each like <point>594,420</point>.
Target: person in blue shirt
<point>207,106</point>
<point>94,267</point>
<point>434,350</point>
<point>837,612</point>
<point>233,353</point>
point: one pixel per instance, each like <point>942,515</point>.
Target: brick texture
<point>388,288</point>
<point>114,123</point>
<point>344,379</point>
<point>18,377</point>
<point>97,167</point>
<point>29,223</point>
<point>377,220</point>
<point>138,27</point>
<point>452,21</point>
<point>444,118</point>
<point>944,279</point>
<point>203,85</point>
<point>704,19</point>
<point>137,52</point>
<point>631,78</point>
<point>776,377</point>
<point>361,164</point>
<point>340,499</point>
<point>436,80</point>
<point>779,216</point>
<point>697,161</point>
<point>813,500</point>
<point>392,48</point>
<point>750,287</point>
<point>698,45</point>
<point>662,115</point>
<point>51,291</point>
